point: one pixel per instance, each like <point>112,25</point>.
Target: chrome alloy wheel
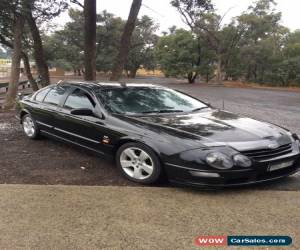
<point>28,126</point>
<point>136,163</point>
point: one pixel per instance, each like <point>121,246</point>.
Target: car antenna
<point>59,82</point>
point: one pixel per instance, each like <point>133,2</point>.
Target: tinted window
<point>79,99</point>
<point>54,96</point>
<point>40,95</point>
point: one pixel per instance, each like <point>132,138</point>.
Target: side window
<point>41,95</point>
<point>54,95</point>
<point>79,99</point>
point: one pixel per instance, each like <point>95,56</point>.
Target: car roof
<point>106,85</point>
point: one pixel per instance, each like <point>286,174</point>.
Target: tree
<point>38,11</point>
<point>178,55</point>
<point>12,15</point>
<point>125,40</point>
<point>287,70</point>
<point>199,15</point>
<point>109,32</point>
<point>38,51</point>
<point>262,42</point>
<point>143,42</point>
<point>9,46</point>
<point>65,48</point>
<point>90,39</point>
<point>16,57</point>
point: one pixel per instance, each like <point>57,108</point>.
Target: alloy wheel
<point>29,127</point>
<point>136,163</point>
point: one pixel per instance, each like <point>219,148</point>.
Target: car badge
<point>273,146</point>
<point>105,139</point>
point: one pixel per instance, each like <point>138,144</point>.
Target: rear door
<point>46,103</point>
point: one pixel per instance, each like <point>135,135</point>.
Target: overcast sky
<point>166,16</point>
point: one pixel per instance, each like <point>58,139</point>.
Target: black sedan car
<point>151,130</point>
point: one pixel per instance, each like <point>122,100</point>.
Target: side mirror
<point>83,111</point>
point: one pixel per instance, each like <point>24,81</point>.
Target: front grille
<point>265,154</point>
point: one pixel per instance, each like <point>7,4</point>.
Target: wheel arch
<point>23,113</point>
<point>123,141</point>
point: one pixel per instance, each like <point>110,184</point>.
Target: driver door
<point>87,131</point>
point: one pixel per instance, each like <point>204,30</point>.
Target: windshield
<point>141,100</point>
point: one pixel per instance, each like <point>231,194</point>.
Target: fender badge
<point>105,139</point>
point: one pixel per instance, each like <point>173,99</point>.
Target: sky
<point>166,15</point>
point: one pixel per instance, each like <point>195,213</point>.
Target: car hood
<point>220,127</point>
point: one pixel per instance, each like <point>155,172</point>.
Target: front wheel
<point>138,163</point>
<point>30,127</point>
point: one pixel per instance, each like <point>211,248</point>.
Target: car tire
<point>30,127</point>
<point>138,163</point>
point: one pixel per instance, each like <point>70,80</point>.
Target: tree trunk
<point>192,77</point>
<point>219,70</point>
<point>132,73</point>
<point>30,78</point>
<point>90,39</point>
<point>38,51</point>
<point>15,65</point>
<point>125,40</point>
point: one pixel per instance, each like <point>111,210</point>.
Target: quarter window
<point>54,96</point>
<point>41,95</point>
<point>79,99</point>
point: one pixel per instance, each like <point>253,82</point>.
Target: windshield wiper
<point>163,111</point>
<point>198,109</point>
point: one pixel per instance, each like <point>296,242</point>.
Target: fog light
<point>204,174</point>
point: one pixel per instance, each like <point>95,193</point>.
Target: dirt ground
<point>46,161</point>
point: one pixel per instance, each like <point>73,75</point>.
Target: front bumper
<point>230,178</point>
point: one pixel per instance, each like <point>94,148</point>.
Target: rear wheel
<point>30,127</point>
<point>138,163</point>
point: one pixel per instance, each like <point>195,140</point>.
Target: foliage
<point>262,45</point>
<point>65,47</point>
<point>181,54</point>
<point>109,31</point>
<point>125,41</point>
<point>143,42</point>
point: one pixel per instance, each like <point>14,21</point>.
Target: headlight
<point>219,160</point>
<point>242,161</point>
